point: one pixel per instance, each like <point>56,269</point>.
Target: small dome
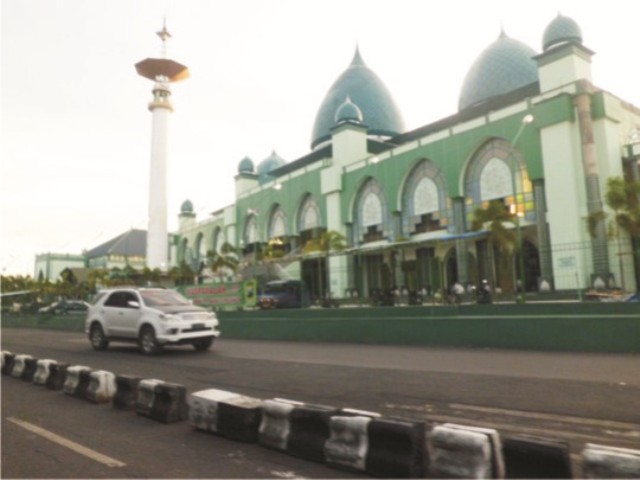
<point>561,29</point>
<point>246,166</point>
<point>369,93</point>
<point>348,112</point>
<point>269,164</point>
<point>504,66</point>
<point>187,207</point>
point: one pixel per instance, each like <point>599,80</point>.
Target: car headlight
<point>168,318</point>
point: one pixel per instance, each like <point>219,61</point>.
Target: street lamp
<point>525,121</point>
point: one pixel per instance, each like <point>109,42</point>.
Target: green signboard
<point>222,295</point>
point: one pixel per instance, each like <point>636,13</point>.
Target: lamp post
<point>525,121</point>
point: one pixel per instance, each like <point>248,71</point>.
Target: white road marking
<point>609,435</point>
<point>546,416</point>
<point>282,474</point>
<point>76,447</point>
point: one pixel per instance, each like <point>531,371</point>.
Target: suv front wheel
<point>147,341</point>
<point>203,344</point>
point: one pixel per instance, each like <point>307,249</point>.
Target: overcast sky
<point>75,133</point>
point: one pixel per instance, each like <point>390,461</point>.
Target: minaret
<point>162,71</point>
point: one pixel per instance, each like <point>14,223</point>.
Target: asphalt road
<point>576,398</point>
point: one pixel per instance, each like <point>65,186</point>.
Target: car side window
<point>129,297</point>
<point>115,300</point>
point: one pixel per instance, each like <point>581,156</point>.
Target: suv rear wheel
<point>97,337</point>
<point>147,341</point>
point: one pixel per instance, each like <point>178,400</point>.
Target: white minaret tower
<point>162,71</point>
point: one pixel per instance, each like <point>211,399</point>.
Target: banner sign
<point>222,295</point>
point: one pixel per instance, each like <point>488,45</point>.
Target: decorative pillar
<point>599,250</point>
<point>459,225</point>
<point>544,239</point>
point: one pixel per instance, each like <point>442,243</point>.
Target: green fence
<point>588,327</point>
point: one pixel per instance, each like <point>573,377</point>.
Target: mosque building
<point>533,134</point>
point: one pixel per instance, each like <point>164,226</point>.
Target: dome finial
<point>357,58</point>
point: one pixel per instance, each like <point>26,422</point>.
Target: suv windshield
<point>163,298</point>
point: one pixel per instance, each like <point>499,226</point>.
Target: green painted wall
<point>579,327</point>
<point>576,327</point>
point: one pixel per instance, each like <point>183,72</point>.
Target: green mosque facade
<point>533,134</point>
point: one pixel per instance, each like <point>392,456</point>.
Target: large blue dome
<point>366,90</point>
<point>270,163</point>
<point>504,66</point>
<point>561,29</point>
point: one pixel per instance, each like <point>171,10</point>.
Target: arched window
<point>491,175</point>
<point>308,215</point>
<point>251,230</point>
<point>278,223</point>
<point>371,216</point>
<point>425,203</point>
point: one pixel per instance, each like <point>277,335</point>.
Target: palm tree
<point>325,243</point>
<point>623,197</point>
<point>226,259</point>
<point>498,236</point>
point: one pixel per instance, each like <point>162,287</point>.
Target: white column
<point>157,232</point>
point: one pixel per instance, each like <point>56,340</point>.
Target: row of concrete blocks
<point>396,448</point>
<point>343,438</point>
<point>100,386</point>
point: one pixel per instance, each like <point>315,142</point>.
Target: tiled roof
<point>131,243</point>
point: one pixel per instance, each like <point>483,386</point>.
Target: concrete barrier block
<point>464,452</point>
<point>7,362</point>
<point>76,380</point>
<point>170,403</point>
<point>309,431</point>
<point>599,461</point>
<point>43,369</point>
<point>161,401</point>
<point>228,414</point>
<point>57,376</point>
<point>533,457</point>
<point>397,448</point>
<point>275,424</point>
<point>19,365</point>
<point>102,386</point>
<point>348,443</point>
<point>30,366</point>
<point>126,392</point>
<point>146,396</point>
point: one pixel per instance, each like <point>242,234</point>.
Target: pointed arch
<point>371,220</point>
<point>309,216</point>
<point>277,226</point>
<point>491,174</point>
<point>425,200</point>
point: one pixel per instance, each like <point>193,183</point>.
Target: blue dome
<point>187,207</point>
<point>364,87</point>
<point>269,164</point>
<point>348,112</point>
<point>561,29</point>
<point>504,66</point>
<point>246,166</point>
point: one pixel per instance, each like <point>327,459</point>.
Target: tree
<point>623,197</point>
<point>325,243</point>
<point>223,261</point>
<point>498,236</point>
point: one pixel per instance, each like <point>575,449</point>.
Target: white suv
<point>153,317</point>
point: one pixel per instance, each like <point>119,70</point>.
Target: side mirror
<point>133,304</point>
